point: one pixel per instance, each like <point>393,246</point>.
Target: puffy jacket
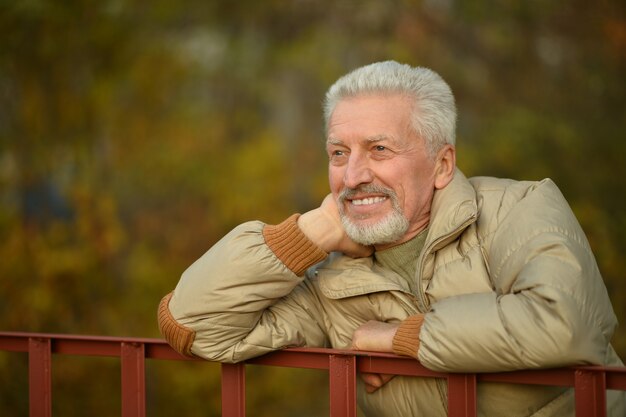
<point>506,278</point>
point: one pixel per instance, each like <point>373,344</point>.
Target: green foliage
<point>133,135</point>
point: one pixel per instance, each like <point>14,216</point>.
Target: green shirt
<point>402,259</point>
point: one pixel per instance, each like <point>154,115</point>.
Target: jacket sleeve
<point>246,296</point>
<point>549,307</point>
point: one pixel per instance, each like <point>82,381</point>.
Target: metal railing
<point>590,382</point>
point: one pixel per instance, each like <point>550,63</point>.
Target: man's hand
<point>375,336</point>
<point>323,226</point>
<point>374,381</point>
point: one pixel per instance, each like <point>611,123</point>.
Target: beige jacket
<point>508,281</point>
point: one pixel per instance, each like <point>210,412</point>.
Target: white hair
<point>434,111</point>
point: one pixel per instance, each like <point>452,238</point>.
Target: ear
<point>445,166</point>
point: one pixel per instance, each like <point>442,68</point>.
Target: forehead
<point>371,118</point>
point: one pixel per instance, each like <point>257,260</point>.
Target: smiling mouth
<point>368,201</point>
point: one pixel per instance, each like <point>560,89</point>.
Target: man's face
<point>379,170</point>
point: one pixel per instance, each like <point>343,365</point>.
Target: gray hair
<point>434,112</point>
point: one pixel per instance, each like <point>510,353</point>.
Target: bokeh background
<point>134,134</point>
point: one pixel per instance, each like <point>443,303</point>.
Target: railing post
<point>342,385</point>
<point>233,390</point>
<point>590,391</point>
<point>39,364</point>
<point>462,395</point>
<point>133,379</point>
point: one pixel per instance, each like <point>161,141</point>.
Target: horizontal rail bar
<point>557,377</point>
<point>90,345</point>
<point>308,358</point>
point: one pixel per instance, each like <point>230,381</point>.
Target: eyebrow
<point>332,141</point>
<point>371,139</point>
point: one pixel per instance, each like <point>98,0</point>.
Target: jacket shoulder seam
<point>520,244</point>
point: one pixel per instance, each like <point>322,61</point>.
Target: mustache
<point>366,188</point>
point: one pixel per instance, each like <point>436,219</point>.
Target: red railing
<point>590,382</point>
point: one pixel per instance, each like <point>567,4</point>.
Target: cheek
<point>423,199</point>
<point>335,179</point>
<point>416,194</point>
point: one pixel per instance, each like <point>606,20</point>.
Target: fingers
<point>354,250</point>
<point>374,381</point>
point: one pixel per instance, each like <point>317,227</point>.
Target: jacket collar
<point>453,209</point>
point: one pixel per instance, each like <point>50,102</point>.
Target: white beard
<point>388,230</point>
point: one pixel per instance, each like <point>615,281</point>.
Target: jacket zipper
<point>422,302</point>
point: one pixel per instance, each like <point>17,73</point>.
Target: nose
<point>357,171</point>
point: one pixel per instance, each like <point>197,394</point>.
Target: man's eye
<point>337,154</point>
<point>337,157</point>
<point>380,148</point>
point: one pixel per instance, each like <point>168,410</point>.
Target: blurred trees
<point>134,134</point>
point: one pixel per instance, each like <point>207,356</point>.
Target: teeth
<point>367,201</point>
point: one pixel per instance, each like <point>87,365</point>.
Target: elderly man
<point>406,255</point>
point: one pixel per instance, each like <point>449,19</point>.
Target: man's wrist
<point>406,341</point>
<point>292,246</point>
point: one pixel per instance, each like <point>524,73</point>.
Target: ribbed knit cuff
<point>292,246</point>
<point>178,336</point>
<point>406,341</point>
